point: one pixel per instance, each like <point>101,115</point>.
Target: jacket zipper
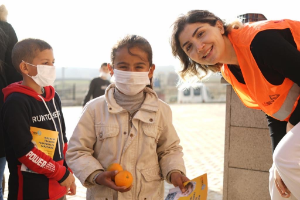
<point>130,120</point>
<point>129,128</point>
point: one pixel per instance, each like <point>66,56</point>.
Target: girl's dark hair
<point>190,67</point>
<point>130,41</point>
<point>27,50</point>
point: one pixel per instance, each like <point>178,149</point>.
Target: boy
<point>33,127</point>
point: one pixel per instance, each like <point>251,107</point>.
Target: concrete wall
<point>248,153</point>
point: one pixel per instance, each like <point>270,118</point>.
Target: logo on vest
<point>273,98</point>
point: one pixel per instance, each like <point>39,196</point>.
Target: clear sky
<point>82,33</point>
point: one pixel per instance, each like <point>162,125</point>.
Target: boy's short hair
<point>27,50</point>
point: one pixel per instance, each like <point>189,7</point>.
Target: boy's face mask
<point>131,83</point>
<point>46,75</point>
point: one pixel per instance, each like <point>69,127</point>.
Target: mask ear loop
<point>28,63</point>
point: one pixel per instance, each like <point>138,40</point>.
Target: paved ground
<point>201,128</point>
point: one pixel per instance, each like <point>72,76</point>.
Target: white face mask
<point>46,75</point>
<point>131,83</point>
<point>105,76</point>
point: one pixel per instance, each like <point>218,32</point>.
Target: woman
<point>260,60</point>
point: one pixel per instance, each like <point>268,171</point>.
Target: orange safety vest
<point>278,101</point>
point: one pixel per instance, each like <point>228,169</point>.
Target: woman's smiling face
<point>203,43</point>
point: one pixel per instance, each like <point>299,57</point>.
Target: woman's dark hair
<point>129,42</point>
<point>190,67</point>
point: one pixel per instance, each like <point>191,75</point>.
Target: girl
<point>260,60</point>
<point>129,125</point>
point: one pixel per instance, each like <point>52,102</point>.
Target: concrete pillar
<point>248,153</point>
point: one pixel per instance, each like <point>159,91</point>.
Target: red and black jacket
<point>24,108</point>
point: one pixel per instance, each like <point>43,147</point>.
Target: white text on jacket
<point>46,117</point>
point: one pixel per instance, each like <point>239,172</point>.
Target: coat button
<point>101,135</point>
<point>131,135</point>
<point>110,108</point>
<point>125,133</point>
<point>151,120</point>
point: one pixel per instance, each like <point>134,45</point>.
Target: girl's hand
<point>177,179</point>
<point>281,187</point>
<point>105,178</point>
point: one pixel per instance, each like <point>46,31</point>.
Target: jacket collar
<point>149,105</point>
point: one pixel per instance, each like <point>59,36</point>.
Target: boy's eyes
<point>48,63</point>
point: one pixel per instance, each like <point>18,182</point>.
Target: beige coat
<point>149,151</point>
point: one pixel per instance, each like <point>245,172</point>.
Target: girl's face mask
<point>131,83</point>
<point>46,75</point>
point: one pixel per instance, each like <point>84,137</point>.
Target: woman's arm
<point>277,56</point>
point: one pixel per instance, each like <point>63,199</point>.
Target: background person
<point>98,85</point>
<point>8,74</point>
<point>260,60</point>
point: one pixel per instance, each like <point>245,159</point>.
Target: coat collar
<point>149,105</point>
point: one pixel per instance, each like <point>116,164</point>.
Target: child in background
<point>34,104</point>
<point>128,125</point>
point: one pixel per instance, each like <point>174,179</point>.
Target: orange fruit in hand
<point>123,178</point>
<point>114,167</point>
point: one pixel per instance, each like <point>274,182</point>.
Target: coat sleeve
<point>79,155</point>
<point>168,149</point>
